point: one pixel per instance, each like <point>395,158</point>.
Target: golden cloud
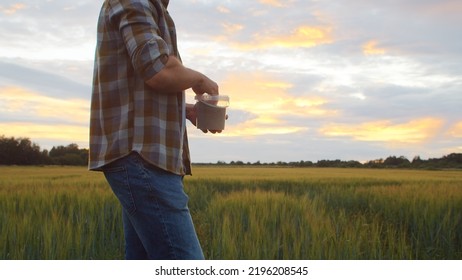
<point>70,133</point>
<point>255,128</point>
<point>223,10</point>
<point>274,3</point>
<point>370,48</point>
<point>413,132</point>
<point>305,36</point>
<point>456,130</point>
<point>21,101</point>
<point>301,37</point>
<point>261,93</point>
<point>12,9</point>
<point>267,98</point>
<point>232,28</point>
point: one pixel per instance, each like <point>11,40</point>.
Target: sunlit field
<point>244,213</point>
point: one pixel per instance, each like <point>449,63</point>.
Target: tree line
<point>451,161</point>
<point>22,151</point>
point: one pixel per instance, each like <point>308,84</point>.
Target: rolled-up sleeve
<point>137,25</point>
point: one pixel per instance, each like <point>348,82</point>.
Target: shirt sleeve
<point>138,25</point>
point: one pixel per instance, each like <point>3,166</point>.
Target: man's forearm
<point>175,77</point>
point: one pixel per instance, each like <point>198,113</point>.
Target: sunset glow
<point>412,132</point>
<point>371,48</point>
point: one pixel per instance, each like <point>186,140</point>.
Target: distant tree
<point>68,155</point>
<point>376,163</point>
<point>19,151</point>
<point>453,158</point>
<point>417,162</point>
<point>8,148</point>
<point>329,163</point>
<point>394,161</point>
<point>353,164</point>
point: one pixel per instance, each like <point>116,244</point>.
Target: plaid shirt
<point>134,38</point>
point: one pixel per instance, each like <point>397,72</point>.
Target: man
<point>138,126</point>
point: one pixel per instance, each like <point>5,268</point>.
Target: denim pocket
<point>117,178</point>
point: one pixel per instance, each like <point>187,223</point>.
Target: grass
<point>244,213</point>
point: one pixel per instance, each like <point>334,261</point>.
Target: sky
<point>307,80</point>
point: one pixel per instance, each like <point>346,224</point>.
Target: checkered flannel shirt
<point>134,37</point>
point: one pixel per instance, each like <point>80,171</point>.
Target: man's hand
<point>191,115</point>
<point>206,85</point>
<point>174,77</point>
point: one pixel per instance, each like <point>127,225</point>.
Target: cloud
<point>42,118</point>
<point>48,133</point>
<point>451,9</point>
<point>265,94</point>
<point>224,10</point>
<point>301,37</point>
<point>47,77</point>
<point>12,8</point>
<point>230,28</point>
<point>22,104</point>
<point>261,127</point>
<point>276,3</point>
<point>413,132</point>
<point>434,9</point>
<point>456,130</point>
<point>52,29</point>
<point>371,48</point>
<point>271,109</point>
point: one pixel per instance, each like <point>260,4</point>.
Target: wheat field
<point>264,213</point>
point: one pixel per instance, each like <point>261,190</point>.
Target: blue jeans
<point>156,218</point>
